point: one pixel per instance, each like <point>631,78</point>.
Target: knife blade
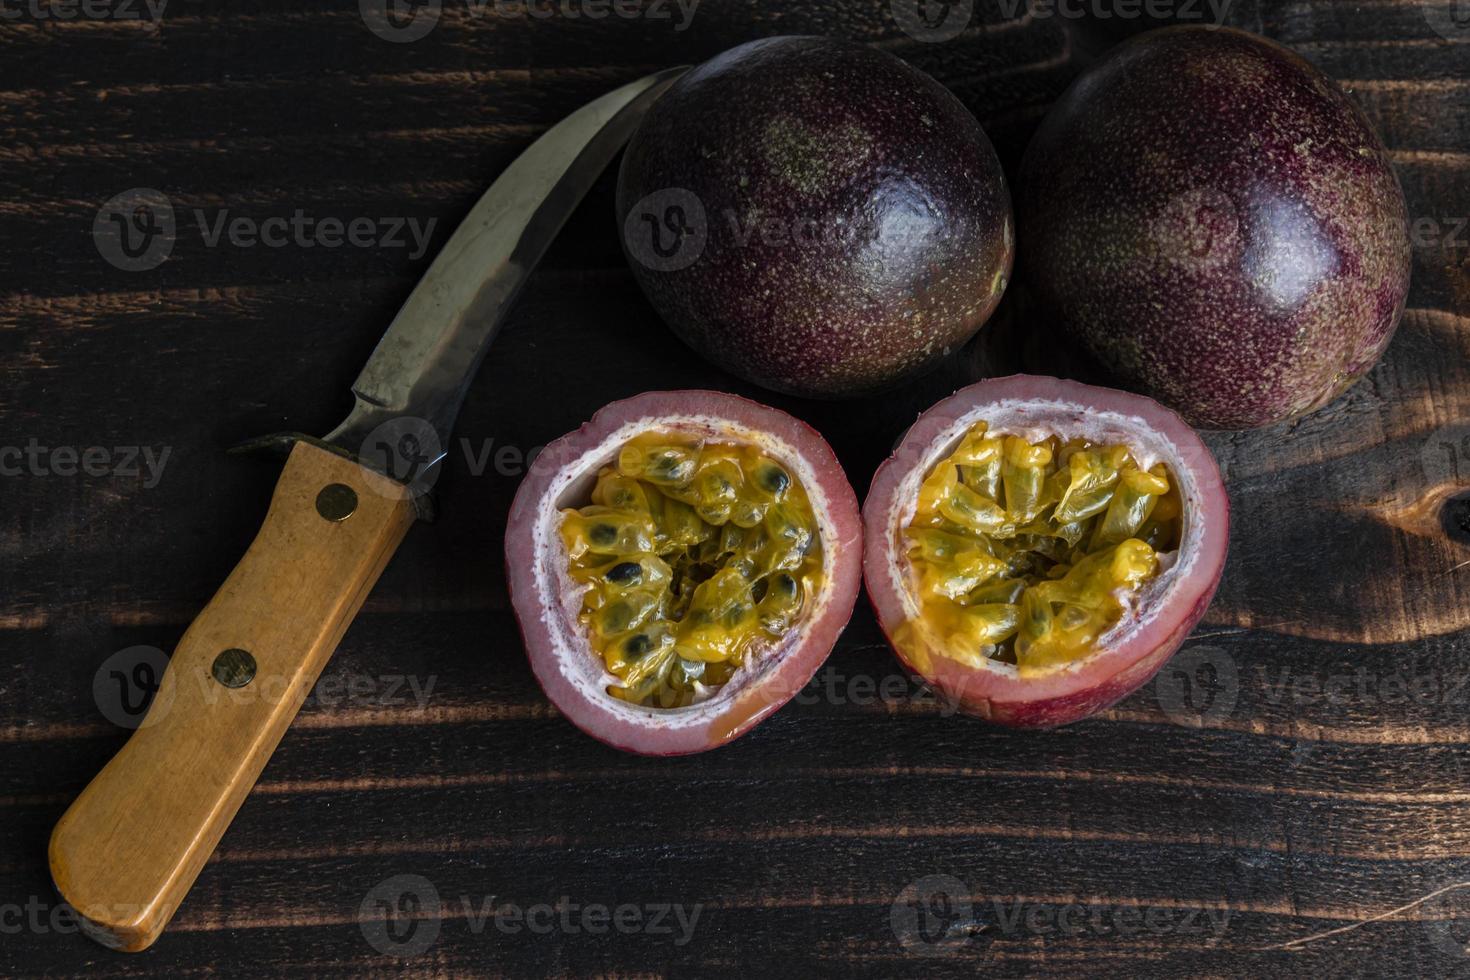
<point>128,849</point>
<point>424,363</point>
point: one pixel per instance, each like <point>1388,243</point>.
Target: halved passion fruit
<point>680,566</point>
<point>1036,548</point>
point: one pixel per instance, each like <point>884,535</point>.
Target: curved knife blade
<point>432,349</point>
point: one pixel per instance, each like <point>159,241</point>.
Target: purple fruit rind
<point>857,225</point>
<point>1215,221</point>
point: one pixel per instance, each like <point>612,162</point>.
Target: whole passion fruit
<point>1036,549</point>
<point>816,216</point>
<point>680,566</point>
<point>1216,223</point>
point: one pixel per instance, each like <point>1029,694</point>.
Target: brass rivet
<point>234,667</point>
<point>336,502</point>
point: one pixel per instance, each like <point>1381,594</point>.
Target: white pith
<point>1035,420</point>
<point>560,597</point>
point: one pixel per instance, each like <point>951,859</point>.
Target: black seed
<point>774,479</point>
<point>758,591</point>
<point>638,645</point>
<point>784,585</point>
<point>603,534</point>
<point>625,573</point>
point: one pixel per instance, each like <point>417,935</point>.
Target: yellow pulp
<point>1027,554</point>
<point>691,553</point>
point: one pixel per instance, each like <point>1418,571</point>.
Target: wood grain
<point>1309,776</point>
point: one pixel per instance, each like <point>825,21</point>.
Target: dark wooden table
<point>1288,798</point>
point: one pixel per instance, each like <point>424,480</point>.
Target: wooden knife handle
<point>128,850</point>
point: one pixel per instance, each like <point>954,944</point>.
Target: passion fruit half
<point>680,566</point>
<point>1036,549</point>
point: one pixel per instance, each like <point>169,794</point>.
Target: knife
<point>129,848</point>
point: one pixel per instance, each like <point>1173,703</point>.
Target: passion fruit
<point>1216,223</point>
<point>1036,549</point>
<point>680,566</point>
<point>816,216</point>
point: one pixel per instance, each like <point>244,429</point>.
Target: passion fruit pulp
<point>680,566</point>
<point>1028,552</point>
<point>1036,549</point>
<point>692,553</point>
